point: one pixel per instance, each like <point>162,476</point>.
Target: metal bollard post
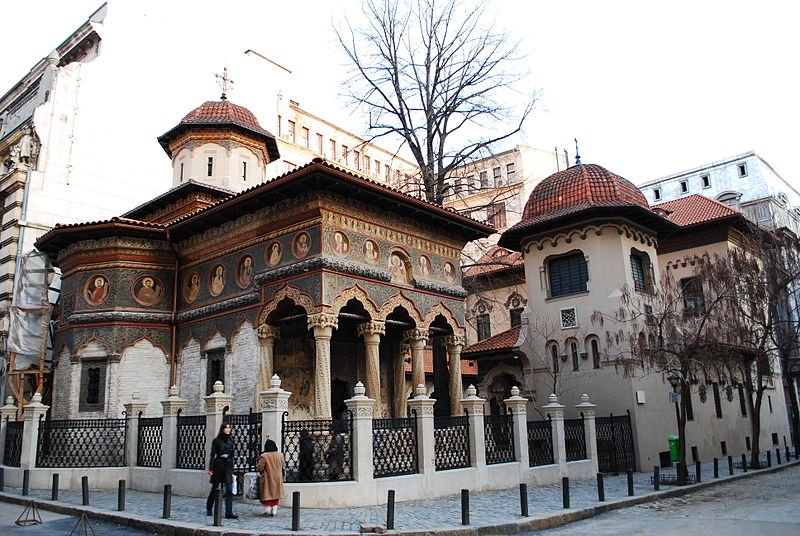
<point>218,507</point>
<point>295,511</point>
<point>630,483</point>
<point>601,490</point>
<point>787,454</point>
<point>778,455</point>
<point>656,478</point>
<point>523,500</point>
<point>465,507</point>
<point>769,458</point>
<point>390,511</point>
<point>744,462</point>
<point>565,491</point>
<point>54,488</point>
<point>3,478</point>
<point>121,496</point>
<point>730,465</point>
<point>26,482</point>
<point>167,510</point>
<point>716,467</point>
<point>698,470</point>
<point>85,490</point>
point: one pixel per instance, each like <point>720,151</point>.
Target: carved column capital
<point>454,342</point>
<point>323,320</point>
<point>265,331</point>
<point>416,336</point>
<point>371,328</point>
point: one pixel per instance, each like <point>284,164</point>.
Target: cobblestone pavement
<point>486,508</point>
<point>57,524</point>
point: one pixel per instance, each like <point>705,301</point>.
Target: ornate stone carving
<point>441,309</point>
<point>275,404</point>
<point>437,288</point>
<point>287,291</point>
<point>266,331</point>
<point>323,320</point>
<point>354,292</point>
<point>399,300</point>
<point>322,263</point>
<point>224,305</point>
<point>416,335</point>
<point>371,328</point>
<point>119,316</point>
<point>455,341</point>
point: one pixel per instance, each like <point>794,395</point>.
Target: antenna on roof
<point>225,83</point>
<point>577,154</point>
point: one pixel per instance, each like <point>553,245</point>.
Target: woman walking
<point>270,482</point>
<point>221,470</point>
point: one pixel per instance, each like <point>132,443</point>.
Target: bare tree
<point>437,76</point>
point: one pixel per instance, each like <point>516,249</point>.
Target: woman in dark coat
<point>221,470</point>
<point>306,456</point>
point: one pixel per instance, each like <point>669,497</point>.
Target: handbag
<point>254,489</point>
<point>234,486</point>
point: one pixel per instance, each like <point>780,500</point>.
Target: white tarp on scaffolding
<point>30,311</point>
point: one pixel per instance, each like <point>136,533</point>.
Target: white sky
<point>648,88</point>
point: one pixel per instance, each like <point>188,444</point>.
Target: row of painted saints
<point>148,290</point>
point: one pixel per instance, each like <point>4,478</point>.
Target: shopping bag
<point>235,486</point>
<point>253,489</point>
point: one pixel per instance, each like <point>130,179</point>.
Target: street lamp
<point>675,380</point>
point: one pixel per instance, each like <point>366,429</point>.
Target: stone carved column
<point>274,402</point>
<point>323,325</point>
<point>371,333</point>
<point>418,339</point>
<point>400,380</point>
<point>132,411</point>
<point>266,337</point>
<point>454,345</point>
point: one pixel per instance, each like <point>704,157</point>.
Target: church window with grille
<point>210,166</point>
<point>554,357</point>
<point>568,275</point>
<point>484,327</point>
<point>216,368</point>
<point>93,379</point>
<point>516,317</point>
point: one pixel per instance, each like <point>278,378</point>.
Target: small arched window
<point>576,360</point>
<point>554,357</point>
<point>595,354</point>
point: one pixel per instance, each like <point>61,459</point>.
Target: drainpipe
<point>173,322</point>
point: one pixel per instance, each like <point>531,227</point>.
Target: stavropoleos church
<point>321,276</point>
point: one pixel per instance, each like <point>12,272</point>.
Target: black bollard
<point>390,511</point>
<point>769,458</point>
<point>601,490</point>
<point>744,462</point>
<point>85,490</point>
<point>121,496</point>
<point>465,507</point>
<point>778,455</point>
<point>295,511</point>
<point>167,510</point>
<point>716,467</point>
<point>218,507</point>
<point>523,500</point>
<point>787,454</point>
<point>697,471</point>
<point>730,465</point>
<point>565,491</point>
<point>3,478</point>
<point>681,471</point>
<point>54,488</point>
<point>630,483</point>
<point>656,478</point>
<point>26,481</point>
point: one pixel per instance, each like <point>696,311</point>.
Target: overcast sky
<point>648,88</point>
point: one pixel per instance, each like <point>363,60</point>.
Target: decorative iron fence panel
<point>540,443</point>
<point>394,447</point>
<point>191,448</point>
<point>318,450</point>
<point>246,433</point>
<point>615,452</point>
<point>81,443</point>
<point>451,440</point>
<point>13,447</point>
<point>499,430</point>
<point>149,442</point>
<point>575,439</point>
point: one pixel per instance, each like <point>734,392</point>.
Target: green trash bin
<point>674,450</point>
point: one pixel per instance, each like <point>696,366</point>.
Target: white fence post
<point>8,413</point>
<point>555,412</point>
<point>30,434</point>
<point>477,431</point>
<point>216,403</point>
<point>587,409</point>
<point>132,411</point>
<point>274,402</point>
<point>171,407</point>
<point>517,406</point>
<point>362,409</point>
<point>422,406</point>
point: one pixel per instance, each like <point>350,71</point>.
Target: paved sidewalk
<point>490,512</point>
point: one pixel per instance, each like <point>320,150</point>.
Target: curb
<point>528,524</point>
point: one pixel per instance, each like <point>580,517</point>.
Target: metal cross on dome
<point>225,83</point>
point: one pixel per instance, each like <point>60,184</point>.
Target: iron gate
<point>246,433</point>
<point>615,452</point>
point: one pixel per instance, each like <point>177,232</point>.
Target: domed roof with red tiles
<point>580,187</point>
<point>222,112</point>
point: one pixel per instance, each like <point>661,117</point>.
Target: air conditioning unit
<point>569,318</point>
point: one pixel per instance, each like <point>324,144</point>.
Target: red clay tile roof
<point>694,209</point>
<point>577,188</point>
<point>495,260</point>
<point>502,341</point>
<point>468,367</point>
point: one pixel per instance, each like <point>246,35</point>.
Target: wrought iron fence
<point>575,439</point>
<point>81,443</point>
<point>318,450</point>
<point>191,448</point>
<point>148,446</point>
<point>540,443</point>
<point>499,431</point>
<point>246,434</point>
<point>394,447</point>
<point>451,442</point>
<point>615,452</point>
<point>13,448</point>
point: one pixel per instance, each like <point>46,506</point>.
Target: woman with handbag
<point>270,477</point>
<point>221,470</point>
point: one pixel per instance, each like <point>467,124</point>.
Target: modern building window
<point>304,135</point>
<point>657,194</point>
<point>576,360</point>
<point>742,401</point>
<point>290,131</point>
<point>498,177</point>
<point>357,158</point>
<point>367,165</point>
<point>319,143</point>
<point>511,170</point>
<point>689,407</point>
<point>554,357</point>
<point>215,368</point>
<point>210,166</point>
<point>684,187</point>
<point>496,213</point>
<point>484,327</point>
<point>742,169</point>
<point>470,182</point>
<point>717,401</point>
<point>387,172</point>
<point>515,316</point>
<point>694,303</point>
<point>345,155</point>
<point>706,181</point>
<point>595,354</point>
<point>568,274</point>
<point>332,150</point>
<point>377,169</point>
<point>280,127</point>
<point>484,175</point>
